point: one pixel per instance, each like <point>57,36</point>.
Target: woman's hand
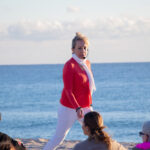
<point>80,113</point>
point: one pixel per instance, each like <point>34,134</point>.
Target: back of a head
<point>6,146</point>
<point>4,137</point>
<point>8,143</point>
<point>94,121</point>
<point>146,128</point>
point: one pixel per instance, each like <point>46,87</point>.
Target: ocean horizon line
<point>34,64</point>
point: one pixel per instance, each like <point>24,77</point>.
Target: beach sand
<point>38,144</point>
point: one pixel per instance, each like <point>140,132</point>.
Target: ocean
<point>30,94</point>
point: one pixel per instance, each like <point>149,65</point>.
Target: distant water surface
<point>29,98</point>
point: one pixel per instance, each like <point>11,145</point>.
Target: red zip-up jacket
<point>76,91</point>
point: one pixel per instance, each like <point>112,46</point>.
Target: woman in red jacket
<point>76,98</point>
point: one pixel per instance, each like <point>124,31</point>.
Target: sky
<point>41,31</point>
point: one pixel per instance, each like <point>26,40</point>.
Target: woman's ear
<point>87,130</point>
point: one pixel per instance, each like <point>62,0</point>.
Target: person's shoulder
<point>78,146</point>
<point>70,63</point>
<point>81,145</point>
<point>135,148</point>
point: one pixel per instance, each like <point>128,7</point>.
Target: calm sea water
<point>29,98</point>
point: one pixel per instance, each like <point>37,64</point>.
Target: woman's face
<point>80,49</point>
<point>145,138</point>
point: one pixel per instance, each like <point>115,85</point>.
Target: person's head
<point>93,121</point>
<point>145,133</point>
<point>93,127</point>
<point>80,45</point>
<point>8,143</point>
<point>6,146</point>
<point>5,142</point>
<point>18,145</point>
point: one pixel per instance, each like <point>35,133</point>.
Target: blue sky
<point>40,31</point>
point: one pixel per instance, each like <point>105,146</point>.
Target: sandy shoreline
<point>38,144</point>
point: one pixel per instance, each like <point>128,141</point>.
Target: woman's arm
<point>68,79</point>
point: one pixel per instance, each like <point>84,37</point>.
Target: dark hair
<point>6,143</point>
<point>94,121</point>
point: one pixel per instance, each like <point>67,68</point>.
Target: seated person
<point>98,139</point>
<point>145,134</point>
<point>8,143</point>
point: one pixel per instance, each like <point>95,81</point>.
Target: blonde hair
<point>79,37</point>
<point>94,121</point>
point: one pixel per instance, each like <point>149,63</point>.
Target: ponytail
<point>95,123</point>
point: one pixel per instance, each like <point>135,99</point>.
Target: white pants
<point>66,118</point>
